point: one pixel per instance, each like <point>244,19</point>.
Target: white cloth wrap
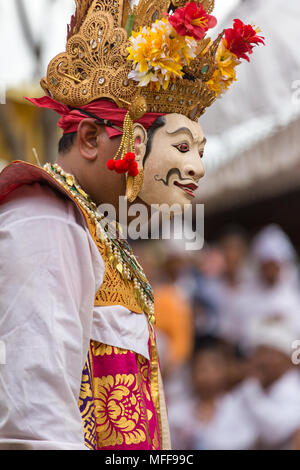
<point>50,271</point>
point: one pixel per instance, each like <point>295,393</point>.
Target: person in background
<point>274,292</point>
<point>260,412</point>
<point>232,289</point>
<point>216,420</point>
<point>271,392</point>
<point>174,326</point>
<point>172,306</point>
<point>204,278</point>
<point>234,246</point>
<point>275,258</point>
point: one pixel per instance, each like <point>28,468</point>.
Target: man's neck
<point>108,198</point>
<point>69,166</point>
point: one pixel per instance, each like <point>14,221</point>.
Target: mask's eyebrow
<point>188,131</point>
<point>182,129</point>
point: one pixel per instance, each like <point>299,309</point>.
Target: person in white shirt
<point>271,393</point>
<point>212,417</point>
<point>274,292</point>
<point>46,319</point>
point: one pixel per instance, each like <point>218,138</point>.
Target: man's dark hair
<point>158,123</point>
<point>67,140</point>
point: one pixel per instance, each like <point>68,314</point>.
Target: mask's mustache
<point>173,171</point>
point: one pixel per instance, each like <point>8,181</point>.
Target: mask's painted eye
<point>183,148</point>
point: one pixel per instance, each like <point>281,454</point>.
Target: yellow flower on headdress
<point>225,73</point>
<point>159,54</point>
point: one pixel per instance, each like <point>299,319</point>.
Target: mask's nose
<point>195,171</point>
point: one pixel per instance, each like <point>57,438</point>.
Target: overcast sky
<point>49,25</point>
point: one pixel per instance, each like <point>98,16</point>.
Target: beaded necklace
<point>118,250</point>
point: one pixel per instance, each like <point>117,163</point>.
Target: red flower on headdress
<point>192,20</point>
<point>241,39</point>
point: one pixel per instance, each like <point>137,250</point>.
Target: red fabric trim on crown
<point>104,109</point>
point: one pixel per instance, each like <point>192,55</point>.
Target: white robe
<point>245,417</point>
<point>241,309</point>
<point>275,413</point>
<point>50,271</point>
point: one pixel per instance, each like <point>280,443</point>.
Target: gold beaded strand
<point>122,259</point>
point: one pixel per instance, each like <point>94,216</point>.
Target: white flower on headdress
<point>144,78</point>
<point>159,54</point>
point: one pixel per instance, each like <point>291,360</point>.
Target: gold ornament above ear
<point>126,151</point>
<point>136,110</point>
<point>134,186</point>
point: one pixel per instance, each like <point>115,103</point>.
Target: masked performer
<point>77,311</point>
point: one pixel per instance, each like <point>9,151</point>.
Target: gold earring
<point>134,186</point>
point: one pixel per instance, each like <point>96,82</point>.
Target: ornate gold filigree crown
<point>154,57</point>
<point>104,59</point>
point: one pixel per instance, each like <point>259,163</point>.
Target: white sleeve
<point>276,417</point>
<point>47,291</point>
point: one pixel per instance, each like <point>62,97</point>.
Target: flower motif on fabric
<point>100,349</point>
<point>145,371</point>
<point>85,390</point>
<point>120,411</point>
<point>86,406</point>
<point>155,442</point>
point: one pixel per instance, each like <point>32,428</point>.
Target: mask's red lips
<point>187,188</point>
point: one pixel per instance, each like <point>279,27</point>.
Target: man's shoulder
<point>38,200</point>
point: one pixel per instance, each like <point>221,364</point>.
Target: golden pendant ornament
<point>134,186</point>
<point>138,108</point>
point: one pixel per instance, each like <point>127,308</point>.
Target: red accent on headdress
<point>102,108</point>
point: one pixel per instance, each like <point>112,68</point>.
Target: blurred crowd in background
<point>228,321</point>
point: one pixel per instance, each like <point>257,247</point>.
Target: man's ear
<point>88,134</point>
<point>140,142</point>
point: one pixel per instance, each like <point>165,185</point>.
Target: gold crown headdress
<point>103,49</point>
<point>154,57</point>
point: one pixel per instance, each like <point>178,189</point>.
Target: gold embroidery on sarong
<point>100,349</point>
<point>119,410</point>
